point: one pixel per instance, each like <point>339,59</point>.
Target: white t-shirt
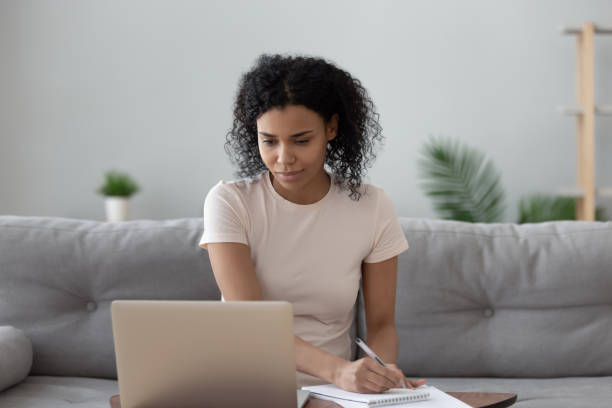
<point>309,255</point>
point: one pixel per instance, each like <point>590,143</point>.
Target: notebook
<point>394,396</point>
<point>434,397</point>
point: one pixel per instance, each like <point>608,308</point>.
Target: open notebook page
<point>437,399</point>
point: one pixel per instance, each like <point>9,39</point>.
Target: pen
<point>372,354</point>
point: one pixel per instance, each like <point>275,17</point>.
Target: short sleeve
<point>389,239</point>
<point>225,216</point>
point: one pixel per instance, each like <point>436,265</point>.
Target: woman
<point>290,230</point>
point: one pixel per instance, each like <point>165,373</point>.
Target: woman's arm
<point>235,275</point>
<point>379,281</point>
<point>234,271</point>
<point>316,361</point>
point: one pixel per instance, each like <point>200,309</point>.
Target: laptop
<point>172,353</point>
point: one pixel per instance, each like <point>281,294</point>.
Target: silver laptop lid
<point>204,353</point>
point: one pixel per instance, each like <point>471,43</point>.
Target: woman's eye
<point>270,141</point>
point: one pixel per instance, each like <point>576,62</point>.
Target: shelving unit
<point>585,111</point>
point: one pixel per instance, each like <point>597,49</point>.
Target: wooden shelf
<point>573,192</point>
<point>604,192</point>
<point>577,192</point>
<point>585,111</point>
<point>602,110</point>
<point>578,30</point>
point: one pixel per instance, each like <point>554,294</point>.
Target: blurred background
<point>147,87</point>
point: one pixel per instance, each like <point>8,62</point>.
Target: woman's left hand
<point>409,383</point>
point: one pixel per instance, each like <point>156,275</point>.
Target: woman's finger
<point>400,376</point>
<point>388,374</point>
<point>416,383</point>
<point>370,386</point>
<point>379,379</point>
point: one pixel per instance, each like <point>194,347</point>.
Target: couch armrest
<point>15,356</point>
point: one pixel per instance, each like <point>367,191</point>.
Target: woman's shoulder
<point>237,187</point>
<point>233,196</point>
<point>373,201</point>
<point>236,192</point>
<point>369,194</point>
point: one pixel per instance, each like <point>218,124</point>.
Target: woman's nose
<point>285,155</point>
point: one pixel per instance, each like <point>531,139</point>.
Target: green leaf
<point>462,183</point>
<point>537,207</point>
<point>118,184</point>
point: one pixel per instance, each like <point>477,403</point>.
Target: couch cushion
<point>505,300</point>
<point>60,392</point>
<point>58,277</point>
<point>576,392</point>
<point>15,356</point>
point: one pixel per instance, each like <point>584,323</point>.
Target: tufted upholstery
<point>505,300</point>
<point>473,300</point>
<point>58,277</point>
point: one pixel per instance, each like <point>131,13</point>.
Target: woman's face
<point>292,144</point>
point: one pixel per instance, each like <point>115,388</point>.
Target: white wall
<point>147,87</point>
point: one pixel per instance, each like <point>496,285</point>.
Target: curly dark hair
<point>276,81</point>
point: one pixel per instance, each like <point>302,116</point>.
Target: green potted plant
<point>538,207</point>
<point>118,187</point>
<point>465,186</point>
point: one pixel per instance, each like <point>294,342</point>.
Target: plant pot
<point>116,208</point>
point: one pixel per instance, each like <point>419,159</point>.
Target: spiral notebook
<point>426,396</point>
<point>394,396</point>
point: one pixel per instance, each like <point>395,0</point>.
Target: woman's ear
<point>332,127</point>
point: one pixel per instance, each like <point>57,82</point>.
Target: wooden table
<point>473,399</point>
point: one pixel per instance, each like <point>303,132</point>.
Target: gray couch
<point>525,309</point>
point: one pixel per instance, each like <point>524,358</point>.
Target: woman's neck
<point>310,193</point>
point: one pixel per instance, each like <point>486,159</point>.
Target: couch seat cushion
<point>570,392</point>
<point>60,392</point>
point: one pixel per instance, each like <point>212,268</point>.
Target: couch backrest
<point>502,300</point>
<point>505,300</point>
<point>58,277</point>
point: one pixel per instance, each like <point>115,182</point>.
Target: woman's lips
<point>289,176</point>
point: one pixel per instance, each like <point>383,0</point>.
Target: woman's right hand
<point>366,376</point>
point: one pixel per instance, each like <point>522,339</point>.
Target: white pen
<point>372,354</point>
